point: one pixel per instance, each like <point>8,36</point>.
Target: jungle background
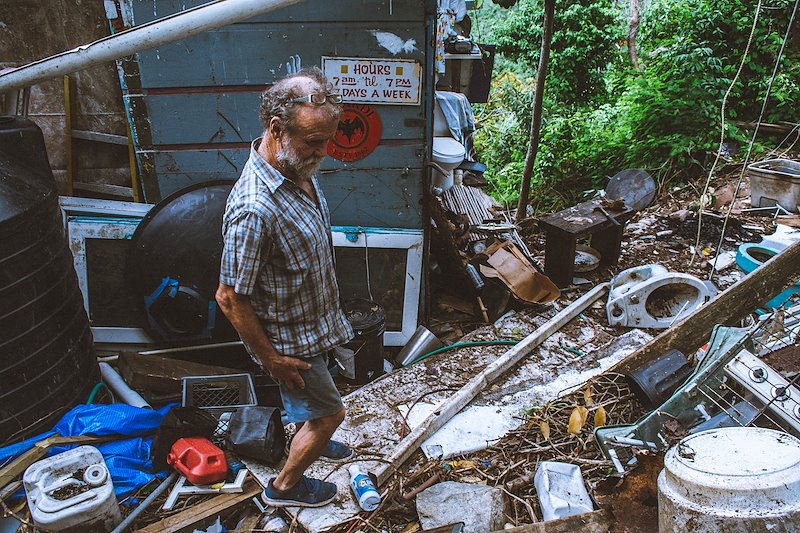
<point>602,113</point>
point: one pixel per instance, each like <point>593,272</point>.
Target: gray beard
<point>291,163</point>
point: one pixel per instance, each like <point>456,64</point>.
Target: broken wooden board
<point>203,510</point>
<point>595,522</point>
<point>373,424</point>
<point>162,374</point>
<point>730,306</point>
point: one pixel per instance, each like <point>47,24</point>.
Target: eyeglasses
<point>318,99</point>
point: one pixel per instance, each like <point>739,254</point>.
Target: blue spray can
<point>363,488</point>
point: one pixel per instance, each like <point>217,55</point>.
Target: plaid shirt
<point>278,251</point>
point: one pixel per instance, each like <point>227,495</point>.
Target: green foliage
<point>664,117</point>
<point>583,44</point>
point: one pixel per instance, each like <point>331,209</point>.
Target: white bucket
<point>728,480</point>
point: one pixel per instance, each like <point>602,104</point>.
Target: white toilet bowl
<point>649,296</point>
<point>448,153</point>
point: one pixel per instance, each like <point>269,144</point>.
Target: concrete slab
<point>374,424</point>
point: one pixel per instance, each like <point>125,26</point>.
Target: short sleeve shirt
<point>278,251</point>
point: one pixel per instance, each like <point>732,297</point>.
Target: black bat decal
<point>349,127</point>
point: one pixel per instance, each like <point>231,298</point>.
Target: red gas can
<point>199,460</point>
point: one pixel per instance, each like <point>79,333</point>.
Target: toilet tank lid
<point>448,150</point>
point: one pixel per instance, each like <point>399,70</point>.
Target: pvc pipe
<point>162,31</point>
<point>195,348</point>
<point>125,524</point>
<point>121,390</point>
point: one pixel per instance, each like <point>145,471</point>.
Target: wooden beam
<point>594,522</point>
<point>728,307</point>
<point>69,112</point>
<point>118,191</point>
<point>15,468</point>
<point>97,136</point>
<point>473,387</point>
<point>201,511</point>
<point>162,374</point>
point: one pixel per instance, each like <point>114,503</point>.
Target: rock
<point>480,507</point>
<point>724,260</point>
<point>680,215</point>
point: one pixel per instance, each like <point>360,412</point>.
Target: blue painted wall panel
<point>194,103</point>
<point>386,195</point>
<point>233,117</point>
<point>257,54</point>
<point>306,11</point>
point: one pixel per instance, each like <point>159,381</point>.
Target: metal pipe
<point>121,389</point>
<point>125,524</point>
<point>162,31</point>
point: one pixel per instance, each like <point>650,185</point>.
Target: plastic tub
<point>735,479</point>
<point>775,181</point>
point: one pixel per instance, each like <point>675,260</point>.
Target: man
<point>277,282</point>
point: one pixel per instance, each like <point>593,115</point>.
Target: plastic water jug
<point>72,492</point>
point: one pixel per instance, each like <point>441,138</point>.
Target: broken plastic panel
<point>730,387</point>
<point>649,296</point>
<point>384,265</point>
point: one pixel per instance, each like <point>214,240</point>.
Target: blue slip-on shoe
<point>307,492</point>
<point>336,451</point>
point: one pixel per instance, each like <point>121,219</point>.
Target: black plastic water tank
<point>173,265</point>
<point>47,359</point>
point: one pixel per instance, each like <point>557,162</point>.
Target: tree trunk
<point>633,29</point>
<point>536,119</point>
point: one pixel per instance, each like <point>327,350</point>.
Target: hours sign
<point>375,81</point>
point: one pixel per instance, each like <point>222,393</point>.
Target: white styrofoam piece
<point>471,430</point>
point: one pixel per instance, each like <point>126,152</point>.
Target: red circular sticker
<point>358,133</point>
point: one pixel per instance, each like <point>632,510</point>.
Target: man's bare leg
<point>307,445</point>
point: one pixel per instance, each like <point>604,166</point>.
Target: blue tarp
<point>128,460</point>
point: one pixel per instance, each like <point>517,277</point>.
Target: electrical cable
<point>461,345</point>
<point>722,133</point>
<point>755,132</point>
<point>792,132</point>
<point>96,389</point>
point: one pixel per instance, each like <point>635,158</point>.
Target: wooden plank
<point>727,308</point>
<point>117,191</point>
<point>16,467</point>
<point>595,522</point>
<point>203,510</point>
<point>474,386</point>
<point>69,112</point>
<point>97,136</point>
<point>163,374</point>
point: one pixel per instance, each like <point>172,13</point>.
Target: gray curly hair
<point>275,99</point>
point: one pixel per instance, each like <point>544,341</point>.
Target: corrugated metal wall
<point>194,104</point>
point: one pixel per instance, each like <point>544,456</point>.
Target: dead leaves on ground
<point>585,411</point>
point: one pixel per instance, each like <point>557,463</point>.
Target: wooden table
<point>563,229</point>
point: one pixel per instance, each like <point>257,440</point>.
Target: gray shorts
<point>319,399</point>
